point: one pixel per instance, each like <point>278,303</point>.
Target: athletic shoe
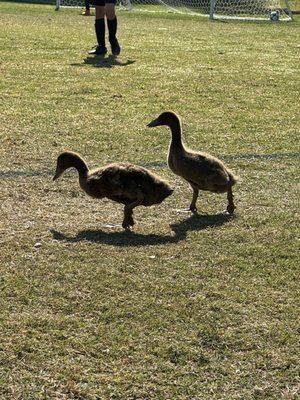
<point>99,50</point>
<point>87,13</point>
<point>115,47</point>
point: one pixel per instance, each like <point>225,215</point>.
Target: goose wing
<point>122,182</point>
<point>206,172</point>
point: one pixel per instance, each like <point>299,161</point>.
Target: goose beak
<point>152,124</point>
<point>57,175</point>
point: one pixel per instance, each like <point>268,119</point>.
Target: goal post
<point>251,10</point>
<point>212,8</point>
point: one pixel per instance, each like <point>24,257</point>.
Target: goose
<point>123,183</point>
<point>201,170</point>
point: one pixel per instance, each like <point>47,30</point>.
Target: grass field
<point>186,306</point>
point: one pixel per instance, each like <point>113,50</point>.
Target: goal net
<point>272,10</point>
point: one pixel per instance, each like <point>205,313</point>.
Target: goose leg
<point>230,206</point>
<point>194,200</point>
<point>130,218</point>
<point>128,212</point>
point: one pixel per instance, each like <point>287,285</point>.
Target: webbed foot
<point>193,208</point>
<point>126,225</point>
<point>230,209</point>
<point>128,222</point>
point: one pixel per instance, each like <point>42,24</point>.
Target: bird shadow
<point>104,62</point>
<point>119,238</point>
<point>195,222</point>
<point>198,222</point>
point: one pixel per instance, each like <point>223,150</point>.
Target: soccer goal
<point>270,10</point>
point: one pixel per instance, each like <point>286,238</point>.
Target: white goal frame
<point>214,15</point>
<point>284,12</point>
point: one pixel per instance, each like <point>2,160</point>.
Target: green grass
<point>185,307</point>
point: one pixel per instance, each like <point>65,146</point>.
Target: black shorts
<point>102,2</point>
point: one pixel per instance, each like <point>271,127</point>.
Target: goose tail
<point>233,179</point>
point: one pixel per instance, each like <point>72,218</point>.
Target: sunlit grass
<point>184,307</point>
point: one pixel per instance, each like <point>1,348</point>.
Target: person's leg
<point>112,24</point>
<point>87,11</point>
<point>100,30</point>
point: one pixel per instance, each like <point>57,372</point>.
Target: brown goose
<point>124,183</point>
<point>202,171</point>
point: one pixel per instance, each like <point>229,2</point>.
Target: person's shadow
<point>195,222</point>
<point>104,62</point>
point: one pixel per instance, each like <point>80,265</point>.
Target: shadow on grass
<point>25,174</point>
<point>104,62</point>
<point>255,156</point>
<point>122,239</point>
<point>198,222</point>
<point>195,222</point>
<point>154,164</point>
<point>245,156</point>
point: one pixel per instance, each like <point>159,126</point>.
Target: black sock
<point>87,4</point>
<point>112,28</point>
<point>100,31</point>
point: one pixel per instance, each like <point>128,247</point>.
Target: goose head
<point>167,118</point>
<point>67,160</point>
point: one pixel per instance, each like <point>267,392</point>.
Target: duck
<point>201,170</point>
<point>121,182</point>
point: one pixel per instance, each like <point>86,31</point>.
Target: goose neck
<point>175,127</point>
<point>81,167</point>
